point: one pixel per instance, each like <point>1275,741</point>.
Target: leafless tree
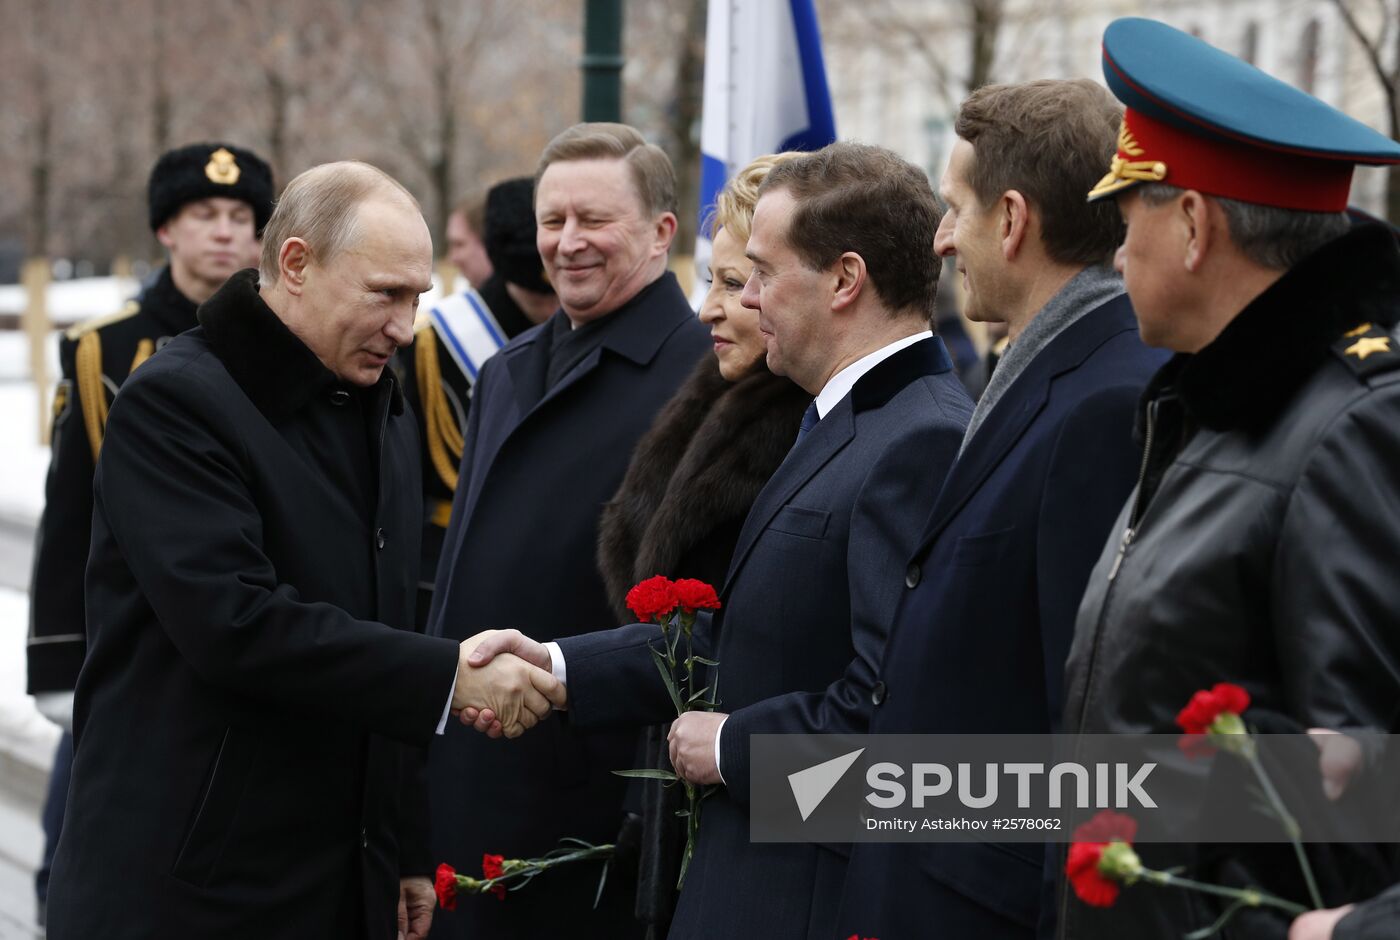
<point>1380,44</point>
<point>443,94</point>
<point>925,30</point>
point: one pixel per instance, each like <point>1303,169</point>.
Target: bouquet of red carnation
<point>674,606</point>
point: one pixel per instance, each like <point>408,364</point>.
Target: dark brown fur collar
<point>1246,376</point>
<point>698,470</point>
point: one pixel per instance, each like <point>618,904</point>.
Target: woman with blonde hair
<point>688,489</point>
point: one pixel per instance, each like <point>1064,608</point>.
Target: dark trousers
<point>54,802</point>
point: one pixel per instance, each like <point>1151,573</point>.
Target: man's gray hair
<point>321,207</point>
<point>652,173</point>
<point>1269,236</point>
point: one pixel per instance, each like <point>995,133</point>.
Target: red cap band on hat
<point>1237,170</point>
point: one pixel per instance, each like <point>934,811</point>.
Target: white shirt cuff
<point>447,709</point>
<point>56,707</point>
<point>718,732</point>
<point>556,662</point>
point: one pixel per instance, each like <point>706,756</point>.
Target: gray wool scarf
<point>1094,286</point>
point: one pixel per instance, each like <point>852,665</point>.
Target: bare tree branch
<point>1373,55</point>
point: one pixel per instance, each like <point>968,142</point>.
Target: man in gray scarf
<point>979,643</point>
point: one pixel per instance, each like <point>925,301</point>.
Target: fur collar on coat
<point>695,473</point>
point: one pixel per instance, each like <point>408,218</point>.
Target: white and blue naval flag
<point>765,91</point>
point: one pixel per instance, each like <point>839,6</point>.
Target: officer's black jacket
<point>56,636</point>
<point>1259,549</point>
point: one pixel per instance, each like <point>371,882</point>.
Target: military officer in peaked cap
<point>1259,545</point>
<point>207,204</point>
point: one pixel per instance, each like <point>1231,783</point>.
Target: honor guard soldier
<point>455,337</point>
<point>1259,545</point>
<point>207,203</point>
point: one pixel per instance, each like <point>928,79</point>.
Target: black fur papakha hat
<point>200,171</point>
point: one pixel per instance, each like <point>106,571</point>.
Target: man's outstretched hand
<point>514,689</point>
<point>482,652</point>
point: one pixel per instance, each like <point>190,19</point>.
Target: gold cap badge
<point>222,168</point>
<point>1123,172</point>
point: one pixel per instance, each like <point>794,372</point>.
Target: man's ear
<point>1198,218</point>
<point>663,233</point>
<point>293,259</point>
<point>1014,220</point>
<point>163,236</point>
<point>850,274</point>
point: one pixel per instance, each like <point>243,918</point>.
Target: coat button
<point>364,838</point>
<point>379,539</point>
<point>339,397</point>
<point>877,693</point>
<point>911,576</point>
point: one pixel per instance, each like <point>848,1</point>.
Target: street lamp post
<point>602,60</point>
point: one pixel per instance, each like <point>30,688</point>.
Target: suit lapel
<point>1022,404</point>
<point>574,376</point>
<point>873,390</point>
<point>528,366</point>
<point>636,332</point>
<point>824,442</point>
<point>993,441</point>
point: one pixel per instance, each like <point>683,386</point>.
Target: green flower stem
<point>683,623</point>
<point>692,826</point>
<point>1246,896</point>
<point>1290,825</point>
<point>687,627</point>
<point>520,867</point>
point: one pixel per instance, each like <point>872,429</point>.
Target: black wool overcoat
<point>254,697</point>
<point>537,468</point>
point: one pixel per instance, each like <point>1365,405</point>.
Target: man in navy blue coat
<point>844,282</point>
<point>554,419</point>
<point>981,636</point>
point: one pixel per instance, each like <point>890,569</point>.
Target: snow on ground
<point>25,460</point>
<point>23,732</point>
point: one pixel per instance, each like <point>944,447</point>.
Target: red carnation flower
<point>693,594</point>
<point>1082,869</point>
<point>491,868</point>
<point>445,884</point>
<point>1094,877</point>
<point>652,599</point>
<point>1106,826</point>
<point>491,865</point>
<point>1214,711</point>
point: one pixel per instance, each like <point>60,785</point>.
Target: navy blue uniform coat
<point>811,588</point>
<point>537,468</point>
<point>982,633</point>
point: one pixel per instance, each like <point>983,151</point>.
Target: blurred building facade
<point>900,67</point>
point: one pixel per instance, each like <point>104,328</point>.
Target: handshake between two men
<point>517,691</point>
<point>506,685</point>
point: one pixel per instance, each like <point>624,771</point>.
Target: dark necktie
<point>809,421</point>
